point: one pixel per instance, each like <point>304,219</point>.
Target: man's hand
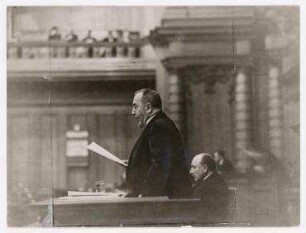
<point>125,162</point>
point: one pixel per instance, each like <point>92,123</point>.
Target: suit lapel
<point>132,154</point>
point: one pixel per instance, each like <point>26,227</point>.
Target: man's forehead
<point>196,160</point>
<point>137,97</point>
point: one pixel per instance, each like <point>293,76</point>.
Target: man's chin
<point>140,125</point>
<point>196,179</point>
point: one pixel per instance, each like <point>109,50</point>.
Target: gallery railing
<point>62,49</point>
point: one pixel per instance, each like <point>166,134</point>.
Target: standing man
<point>157,165</point>
<point>209,187</point>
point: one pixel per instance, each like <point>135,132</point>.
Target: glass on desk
<point>100,186</point>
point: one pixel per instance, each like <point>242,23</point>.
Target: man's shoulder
<point>216,180</point>
<point>161,120</point>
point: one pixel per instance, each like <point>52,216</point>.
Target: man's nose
<point>132,111</point>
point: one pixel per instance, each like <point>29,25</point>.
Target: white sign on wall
<point>77,142</point>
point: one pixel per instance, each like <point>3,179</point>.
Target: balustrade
<point>61,49</point>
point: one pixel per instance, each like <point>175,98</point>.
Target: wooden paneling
<point>132,131</point>
<point>18,149</point>
<point>49,154</point>
<point>37,145</point>
<point>121,143</point>
<point>61,181</point>
<point>34,139</point>
<point>77,176</point>
<point>31,143</point>
<point>93,159</point>
<point>108,141</point>
<point>27,93</point>
<point>81,65</point>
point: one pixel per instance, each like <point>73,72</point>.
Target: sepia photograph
<point>153,116</point>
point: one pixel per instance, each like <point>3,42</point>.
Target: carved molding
<point>181,62</point>
<point>209,75</point>
<point>80,68</point>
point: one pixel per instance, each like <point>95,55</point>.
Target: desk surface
<point>119,211</point>
<point>81,200</point>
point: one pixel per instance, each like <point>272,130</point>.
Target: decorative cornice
<point>211,29</point>
<point>84,76</point>
<point>81,69</point>
<point>181,62</point>
<point>163,36</point>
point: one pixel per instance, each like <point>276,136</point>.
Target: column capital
<point>173,70</point>
<point>208,74</point>
<point>242,68</point>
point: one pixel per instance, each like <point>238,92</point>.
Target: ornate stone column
<point>242,109</point>
<point>175,99</point>
<point>275,111</point>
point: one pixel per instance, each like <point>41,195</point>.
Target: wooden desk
<point>120,211</point>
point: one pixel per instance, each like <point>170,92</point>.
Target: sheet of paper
<point>105,194</point>
<point>101,151</point>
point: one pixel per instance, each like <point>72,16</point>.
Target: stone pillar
<point>243,109</point>
<point>175,99</point>
<point>274,106</point>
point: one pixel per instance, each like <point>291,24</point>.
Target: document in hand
<point>101,151</point>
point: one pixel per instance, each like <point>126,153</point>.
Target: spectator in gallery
<point>89,39</point>
<point>111,38</point>
<point>120,35</point>
<point>69,50</point>
<point>54,34</point>
<point>134,36</point>
<point>223,166</point>
<point>126,36</point>
<point>71,37</point>
<point>122,51</point>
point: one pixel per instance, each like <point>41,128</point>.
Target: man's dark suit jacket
<point>157,164</point>
<point>214,195</point>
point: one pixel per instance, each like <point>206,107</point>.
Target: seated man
<point>210,188</point>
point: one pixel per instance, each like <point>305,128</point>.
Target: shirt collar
<point>150,118</point>
<point>197,183</point>
<point>206,177</point>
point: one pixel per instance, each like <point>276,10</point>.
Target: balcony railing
<point>61,49</point>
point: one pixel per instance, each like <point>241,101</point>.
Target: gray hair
<point>150,96</point>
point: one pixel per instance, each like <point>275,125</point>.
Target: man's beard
<point>141,122</point>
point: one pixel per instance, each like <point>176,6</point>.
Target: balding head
<point>201,165</point>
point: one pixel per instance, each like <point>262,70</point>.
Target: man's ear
<point>149,107</point>
<point>205,167</point>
